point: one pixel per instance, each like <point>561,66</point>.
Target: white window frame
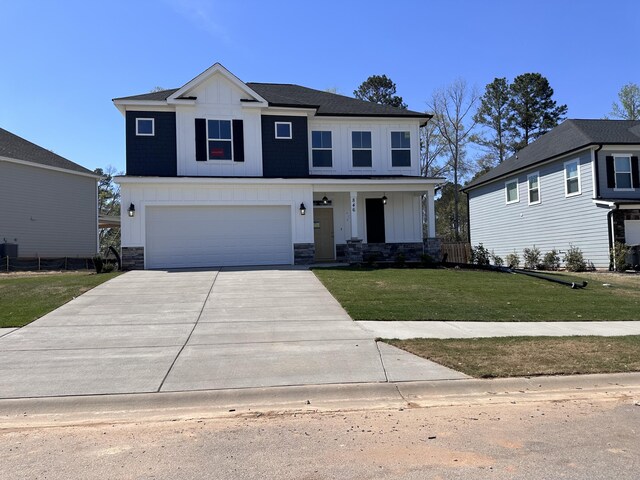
<point>399,149</point>
<point>290,130</point>
<point>153,128</point>
<point>506,191</point>
<point>630,172</point>
<point>370,149</point>
<point>529,189</point>
<point>322,149</point>
<point>566,179</point>
<point>230,140</point>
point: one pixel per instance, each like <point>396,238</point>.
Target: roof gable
<point>17,148</point>
<point>571,135</point>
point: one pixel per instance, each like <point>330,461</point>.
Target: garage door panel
<point>194,236</point>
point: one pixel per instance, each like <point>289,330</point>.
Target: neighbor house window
<point>361,149</point>
<point>145,127</point>
<point>533,181</point>
<point>283,130</point>
<point>219,139</point>
<point>321,148</point>
<point>572,178</point>
<point>511,191</point>
<point>400,149</point>
<point>623,172</point>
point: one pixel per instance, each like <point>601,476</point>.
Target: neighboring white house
<point>221,172</point>
<point>577,185</point>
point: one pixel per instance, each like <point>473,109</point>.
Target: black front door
<point>375,220</point>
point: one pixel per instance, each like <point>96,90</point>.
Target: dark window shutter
<point>238,141</point>
<point>201,140</point>
<point>635,172</point>
<point>611,173</point>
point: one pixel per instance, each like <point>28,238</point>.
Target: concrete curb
<point>97,409</point>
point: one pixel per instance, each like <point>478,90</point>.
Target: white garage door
<point>632,232</point>
<point>205,236</point>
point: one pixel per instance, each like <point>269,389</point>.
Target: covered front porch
<point>357,221</point>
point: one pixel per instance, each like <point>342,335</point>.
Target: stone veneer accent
<point>132,258</point>
<point>303,253</point>
<point>619,216</point>
<point>433,248</point>
<point>388,252</point>
<point>354,251</point>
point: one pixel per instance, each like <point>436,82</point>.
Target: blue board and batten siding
<point>612,193</point>
<point>288,158</point>
<point>557,222</point>
<point>152,155</point>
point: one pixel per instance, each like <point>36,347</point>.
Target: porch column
<point>431,212</point>
<point>354,214</point>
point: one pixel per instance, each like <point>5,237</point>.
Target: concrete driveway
<point>162,331</point>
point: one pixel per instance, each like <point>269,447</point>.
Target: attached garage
<point>209,236</point>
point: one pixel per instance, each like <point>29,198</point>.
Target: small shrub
<point>426,260</point>
<point>108,267</point>
<point>574,260</point>
<point>401,260</point>
<point>480,255</point>
<point>513,260</point>
<point>551,260</point>
<point>497,260</point>
<point>371,260</point>
<point>98,263</point>
<point>619,256</point>
<point>531,257</point>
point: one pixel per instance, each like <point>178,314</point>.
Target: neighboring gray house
<point>578,184</point>
<point>48,204</point>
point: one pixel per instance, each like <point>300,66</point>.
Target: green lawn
<point>528,356</point>
<point>24,298</point>
<point>450,294</point>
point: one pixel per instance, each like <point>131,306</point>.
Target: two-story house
<point>577,185</point>
<point>221,172</point>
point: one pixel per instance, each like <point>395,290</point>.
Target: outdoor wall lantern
<point>384,199</point>
<point>132,210</point>
<point>303,209</point>
<point>325,200</point>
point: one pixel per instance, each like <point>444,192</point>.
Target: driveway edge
<point>97,409</point>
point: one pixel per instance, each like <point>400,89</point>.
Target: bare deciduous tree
<point>453,109</point>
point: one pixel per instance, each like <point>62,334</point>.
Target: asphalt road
<point>575,439</point>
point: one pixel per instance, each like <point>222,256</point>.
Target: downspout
<point>596,171</point>
<point>611,239</point>
<point>468,219</point>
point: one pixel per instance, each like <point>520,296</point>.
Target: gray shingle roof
<point>326,103</point>
<point>15,147</point>
<point>569,136</point>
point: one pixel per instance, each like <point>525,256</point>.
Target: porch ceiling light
<point>325,200</point>
<point>303,209</point>
<point>132,210</point>
<point>384,199</point>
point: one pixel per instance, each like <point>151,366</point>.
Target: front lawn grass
<point>454,294</point>
<point>529,356</point>
<point>24,298</point>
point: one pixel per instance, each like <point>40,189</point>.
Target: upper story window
<point>361,149</point>
<point>572,178</point>
<point>283,130</point>
<point>400,149</point>
<point>533,181</point>
<point>511,191</point>
<point>321,152</point>
<point>219,139</point>
<point>145,127</point>
<point>622,165</point>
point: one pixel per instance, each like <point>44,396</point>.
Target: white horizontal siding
<point>557,222</point>
<point>47,213</point>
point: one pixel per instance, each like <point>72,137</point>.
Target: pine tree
<point>494,113</point>
<point>379,89</point>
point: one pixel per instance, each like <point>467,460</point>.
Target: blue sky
<point>64,61</point>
